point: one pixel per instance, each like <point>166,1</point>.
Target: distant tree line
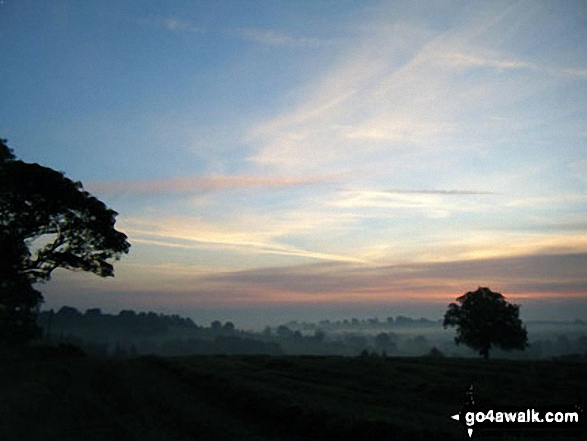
<point>369,323</point>
<point>126,321</point>
<point>130,333</point>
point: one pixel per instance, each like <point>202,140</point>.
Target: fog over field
<point>131,333</point>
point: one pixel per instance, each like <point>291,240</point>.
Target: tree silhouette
<point>484,320</point>
<point>47,221</point>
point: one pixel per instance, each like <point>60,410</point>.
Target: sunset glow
<point>336,157</point>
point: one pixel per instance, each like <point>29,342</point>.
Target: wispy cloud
<point>173,24</point>
<point>547,274</point>
<point>359,228</point>
<point>398,191</point>
<point>269,37</point>
<point>468,61</point>
<point>581,73</point>
<point>413,203</point>
<point>193,185</point>
<point>402,90</point>
<point>275,38</point>
<point>240,246</point>
<point>488,244</point>
<point>242,234</point>
<point>530,277</point>
<point>554,201</point>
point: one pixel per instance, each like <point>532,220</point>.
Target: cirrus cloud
<point>191,185</point>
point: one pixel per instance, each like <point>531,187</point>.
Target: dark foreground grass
<point>52,395</point>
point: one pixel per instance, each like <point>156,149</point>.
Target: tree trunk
<point>485,352</point>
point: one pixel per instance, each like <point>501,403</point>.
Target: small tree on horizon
<point>484,319</point>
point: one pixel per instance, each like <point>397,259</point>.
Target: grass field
<point>47,394</point>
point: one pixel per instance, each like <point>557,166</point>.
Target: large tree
<point>484,319</point>
<point>47,221</point>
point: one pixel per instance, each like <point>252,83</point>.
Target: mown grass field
<point>50,395</point>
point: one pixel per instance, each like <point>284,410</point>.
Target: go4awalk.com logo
<point>540,420</point>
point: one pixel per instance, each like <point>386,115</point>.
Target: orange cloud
<point>527,277</point>
<point>530,281</point>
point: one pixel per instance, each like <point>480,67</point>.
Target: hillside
<point>53,394</point>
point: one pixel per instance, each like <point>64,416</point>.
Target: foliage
<point>36,202</point>
<point>130,333</point>
<point>127,320</point>
<point>47,221</point>
<point>485,319</point>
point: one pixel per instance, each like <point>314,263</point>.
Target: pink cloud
<point>190,185</point>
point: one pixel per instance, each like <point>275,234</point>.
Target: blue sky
<point>337,156</point>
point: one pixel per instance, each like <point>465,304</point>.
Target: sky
<point>275,160</point>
